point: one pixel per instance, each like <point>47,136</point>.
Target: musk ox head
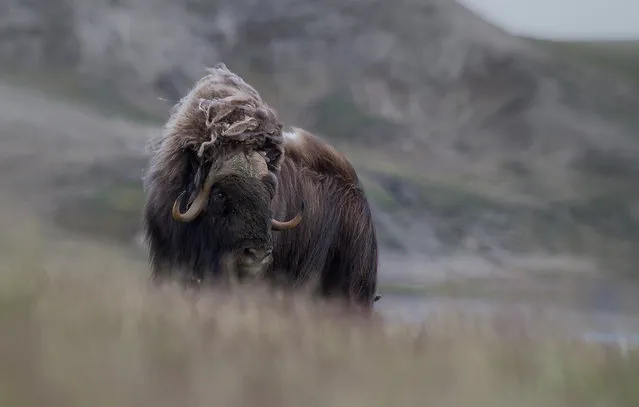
<point>212,178</point>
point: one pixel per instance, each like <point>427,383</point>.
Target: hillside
<point>469,141</point>
<point>614,57</point>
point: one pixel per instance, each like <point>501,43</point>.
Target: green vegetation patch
<point>337,116</point>
<point>621,57</point>
<point>113,211</point>
<point>72,88</point>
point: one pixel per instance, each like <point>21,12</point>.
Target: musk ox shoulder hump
<point>306,149</point>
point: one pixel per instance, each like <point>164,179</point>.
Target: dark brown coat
<point>336,241</point>
<point>223,153</point>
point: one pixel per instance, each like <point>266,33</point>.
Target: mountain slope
<point>467,139</point>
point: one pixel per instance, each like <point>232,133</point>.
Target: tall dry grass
<point>80,326</point>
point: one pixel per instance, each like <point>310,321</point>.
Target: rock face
<point>462,133</point>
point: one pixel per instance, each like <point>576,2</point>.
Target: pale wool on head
<point>220,116</point>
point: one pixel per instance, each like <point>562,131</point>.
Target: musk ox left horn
<point>199,203</point>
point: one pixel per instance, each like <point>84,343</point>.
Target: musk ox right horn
<point>289,224</point>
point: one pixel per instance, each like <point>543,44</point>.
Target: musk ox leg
<point>160,273</point>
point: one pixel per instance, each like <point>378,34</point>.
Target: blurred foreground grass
<point>79,326</point>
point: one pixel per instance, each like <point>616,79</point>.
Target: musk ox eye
<point>217,194</point>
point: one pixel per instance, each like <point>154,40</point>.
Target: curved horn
<point>199,203</point>
<point>289,224</point>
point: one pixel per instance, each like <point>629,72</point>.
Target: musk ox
<point>221,175</point>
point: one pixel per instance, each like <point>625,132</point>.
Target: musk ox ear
<point>273,153</point>
<point>271,182</point>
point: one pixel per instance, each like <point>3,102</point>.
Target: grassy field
<point>80,326</point>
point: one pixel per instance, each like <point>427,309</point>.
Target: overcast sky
<point>562,18</point>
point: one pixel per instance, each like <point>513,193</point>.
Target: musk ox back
<point>220,175</point>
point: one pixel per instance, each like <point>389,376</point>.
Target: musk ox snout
<point>253,260</point>
<point>257,255</point>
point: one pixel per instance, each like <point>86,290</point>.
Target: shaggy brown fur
<point>218,128</point>
<point>336,243</point>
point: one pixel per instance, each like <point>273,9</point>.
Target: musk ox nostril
<point>257,254</point>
